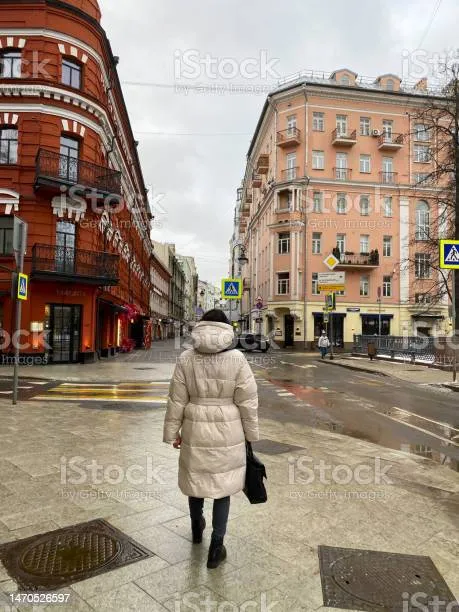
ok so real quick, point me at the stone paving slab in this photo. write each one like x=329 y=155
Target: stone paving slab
x=272 y=548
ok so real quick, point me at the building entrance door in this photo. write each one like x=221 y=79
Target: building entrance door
x=64 y=337
x=289 y=330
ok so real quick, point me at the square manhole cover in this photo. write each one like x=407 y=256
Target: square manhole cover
x=270 y=447
x=59 y=558
x=381 y=582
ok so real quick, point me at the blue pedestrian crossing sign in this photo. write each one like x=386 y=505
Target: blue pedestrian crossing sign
x=231 y=288
x=449 y=254
x=23 y=286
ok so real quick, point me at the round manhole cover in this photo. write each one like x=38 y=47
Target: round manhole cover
x=363 y=580
x=69 y=554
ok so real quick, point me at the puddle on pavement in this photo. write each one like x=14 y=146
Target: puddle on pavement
x=319 y=399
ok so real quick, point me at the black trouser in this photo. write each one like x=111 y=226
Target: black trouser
x=219 y=515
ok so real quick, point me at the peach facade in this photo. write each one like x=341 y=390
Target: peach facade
x=339 y=163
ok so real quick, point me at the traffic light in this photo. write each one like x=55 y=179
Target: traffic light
x=330 y=301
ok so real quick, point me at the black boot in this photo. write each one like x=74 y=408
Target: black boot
x=197 y=527
x=217 y=552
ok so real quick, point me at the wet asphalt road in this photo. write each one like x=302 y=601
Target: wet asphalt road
x=387 y=411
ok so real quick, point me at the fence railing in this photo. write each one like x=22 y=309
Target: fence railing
x=398 y=347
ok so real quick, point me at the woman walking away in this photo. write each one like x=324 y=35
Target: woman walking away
x=212 y=410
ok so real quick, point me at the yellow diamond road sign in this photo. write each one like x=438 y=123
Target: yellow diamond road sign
x=331 y=261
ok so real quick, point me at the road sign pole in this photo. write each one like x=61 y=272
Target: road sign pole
x=17 y=330
x=332 y=316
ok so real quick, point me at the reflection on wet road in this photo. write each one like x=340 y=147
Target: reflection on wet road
x=386 y=411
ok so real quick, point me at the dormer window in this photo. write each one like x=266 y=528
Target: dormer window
x=344 y=80
x=390 y=84
x=10 y=64
x=71 y=73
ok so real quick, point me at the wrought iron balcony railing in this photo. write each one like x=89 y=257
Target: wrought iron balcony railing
x=388 y=178
x=290 y=174
x=359 y=260
x=390 y=140
x=290 y=136
x=344 y=137
x=64 y=263
x=342 y=174
x=54 y=168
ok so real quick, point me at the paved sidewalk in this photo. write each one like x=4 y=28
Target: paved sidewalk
x=272 y=548
x=414 y=373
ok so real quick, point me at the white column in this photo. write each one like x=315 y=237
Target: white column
x=404 y=250
x=292 y=265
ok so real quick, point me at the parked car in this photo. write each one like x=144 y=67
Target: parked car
x=247 y=341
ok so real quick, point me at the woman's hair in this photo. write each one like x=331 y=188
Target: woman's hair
x=216 y=315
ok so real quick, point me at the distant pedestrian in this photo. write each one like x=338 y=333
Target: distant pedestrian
x=324 y=344
x=212 y=410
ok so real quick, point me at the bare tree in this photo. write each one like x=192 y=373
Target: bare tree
x=436 y=131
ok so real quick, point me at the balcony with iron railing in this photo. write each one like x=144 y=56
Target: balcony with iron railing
x=342 y=174
x=390 y=141
x=346 y=138
x=64 y=264
x=256 y=180
x=366 y=261
x=263 y=163
x=388 y=178
x=290 y=174
x=53 y=169
x=289 y=137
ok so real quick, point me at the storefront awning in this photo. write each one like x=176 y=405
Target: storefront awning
x=115 y=307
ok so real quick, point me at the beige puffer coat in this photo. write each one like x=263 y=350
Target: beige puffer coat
x=213 y=405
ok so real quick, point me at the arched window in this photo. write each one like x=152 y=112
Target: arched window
x=390 y=84
x=364 y=205
x=8 y=145
x=10 y=64
x=422 y=221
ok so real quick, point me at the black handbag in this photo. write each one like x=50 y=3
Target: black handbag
x=254 y=488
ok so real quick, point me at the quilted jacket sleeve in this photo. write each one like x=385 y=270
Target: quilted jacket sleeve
x=177 y=400
x=246 y=399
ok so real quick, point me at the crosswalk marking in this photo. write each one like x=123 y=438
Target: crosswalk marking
x=154 y=392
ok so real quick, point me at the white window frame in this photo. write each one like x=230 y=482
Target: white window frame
x=421 y=132
x=317 y=202
x=283 y=244
x=387 y=286
x=387 y=246
x=422 y=154
x=340 y=199
x=364 y=210
x=422 y=227
x=365 y=126
x=318 y=160
x=365 y=163
x=342 y=125
x=318 y=121
x=387 y=206
x=364 y=243
x=315 y=284
x=283 y=283
x=364 y=286
x=316 y=242
x=422 y=262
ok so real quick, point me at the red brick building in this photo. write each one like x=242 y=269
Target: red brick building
x=69 y=167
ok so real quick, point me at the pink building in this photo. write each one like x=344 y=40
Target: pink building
x=337 y=163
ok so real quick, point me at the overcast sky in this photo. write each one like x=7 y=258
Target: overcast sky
x=193 y=144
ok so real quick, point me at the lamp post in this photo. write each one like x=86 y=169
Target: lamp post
x=242 y=259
